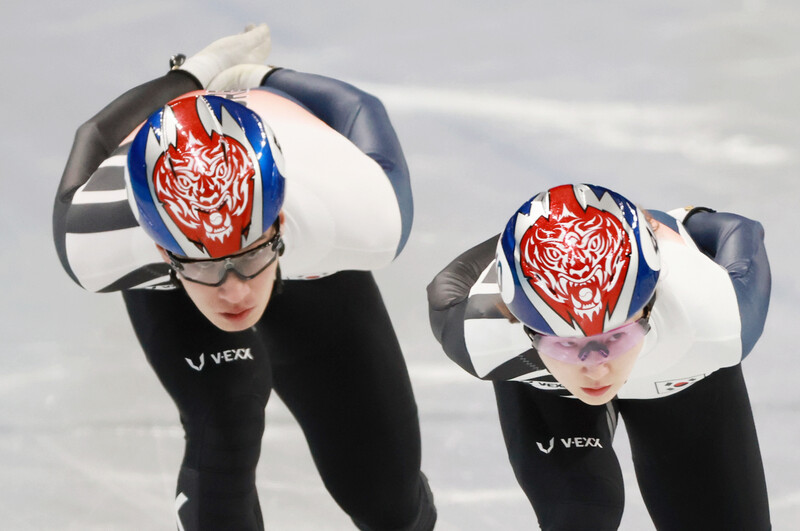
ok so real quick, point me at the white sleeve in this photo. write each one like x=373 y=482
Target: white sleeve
x=341 y=211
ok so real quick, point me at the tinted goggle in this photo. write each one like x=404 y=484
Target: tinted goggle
x=592 y=350
x=246 y=265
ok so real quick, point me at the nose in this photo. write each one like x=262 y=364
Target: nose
x=596 y=371
x=234 y=289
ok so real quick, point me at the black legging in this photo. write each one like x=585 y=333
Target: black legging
x=695 y=453
x=328 y=349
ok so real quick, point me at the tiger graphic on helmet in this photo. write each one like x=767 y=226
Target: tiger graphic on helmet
x=204 y=179
x=572 y=261
x=204 y=174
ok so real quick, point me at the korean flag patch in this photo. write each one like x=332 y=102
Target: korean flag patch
x=667 y=387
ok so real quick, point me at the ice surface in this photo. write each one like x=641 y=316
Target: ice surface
x=673 y=103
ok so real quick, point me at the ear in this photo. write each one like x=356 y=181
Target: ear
x=281 y=217
x=163 y=254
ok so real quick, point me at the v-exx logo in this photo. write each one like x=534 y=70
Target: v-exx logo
x=224 y=356
x=549 y=448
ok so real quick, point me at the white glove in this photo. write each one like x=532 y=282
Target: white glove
x=239 y=77
x=252 y=46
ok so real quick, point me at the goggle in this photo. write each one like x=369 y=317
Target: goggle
x=247 y=265
x=591 y=350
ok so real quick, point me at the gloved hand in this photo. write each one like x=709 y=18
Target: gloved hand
x=252 y=46
x=239 y=77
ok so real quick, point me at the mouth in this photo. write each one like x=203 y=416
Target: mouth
x=596 y=391
x=239 y=315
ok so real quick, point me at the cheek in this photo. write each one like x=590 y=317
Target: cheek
x=623 y=366
x=263 y=283
x=200 y=295
x=565 y=373
x=628 y=362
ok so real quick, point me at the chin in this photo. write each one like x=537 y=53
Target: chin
x=227 y=327
x=594 y=401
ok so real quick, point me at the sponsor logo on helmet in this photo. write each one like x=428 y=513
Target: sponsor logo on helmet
x=204 y=179
x=576 y=259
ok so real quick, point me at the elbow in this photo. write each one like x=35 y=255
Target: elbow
x=445 y=291
x=366 y=102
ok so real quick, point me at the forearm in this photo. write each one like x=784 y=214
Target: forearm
x=102 y=134
x=737 y=244
x=94 y=141
x=467 y=316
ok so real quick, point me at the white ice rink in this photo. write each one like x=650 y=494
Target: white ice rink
x=673 y=103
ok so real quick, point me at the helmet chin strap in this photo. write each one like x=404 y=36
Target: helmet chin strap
x=173 y=277
x=277 y=287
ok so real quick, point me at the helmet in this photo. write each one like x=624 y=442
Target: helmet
x=577 y=260
x=204 y=176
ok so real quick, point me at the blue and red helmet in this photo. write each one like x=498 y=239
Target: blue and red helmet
x=204 y=175
x=577 y=260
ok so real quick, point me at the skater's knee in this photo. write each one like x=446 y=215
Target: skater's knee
x=576 y=516
x=226 y=437
x=419 y=516
x=217 y=485
x=594 y=504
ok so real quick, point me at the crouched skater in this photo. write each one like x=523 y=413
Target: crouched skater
x=240 y=208
x=584 y=309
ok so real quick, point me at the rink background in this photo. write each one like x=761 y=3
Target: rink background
x=671 y=103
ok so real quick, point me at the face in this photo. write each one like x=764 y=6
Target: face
x=595 y=384
x=236 y=304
